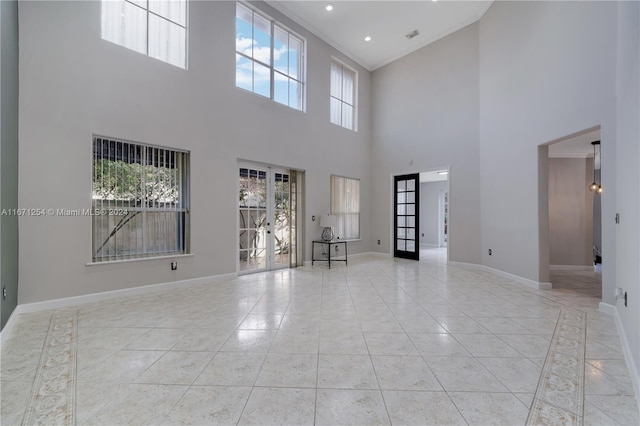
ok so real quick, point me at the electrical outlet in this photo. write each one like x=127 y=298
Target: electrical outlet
x=625 y=299
x=4 y=293
x=336 y=249
x=174 y=266
x=490 y=252
x=378 y=242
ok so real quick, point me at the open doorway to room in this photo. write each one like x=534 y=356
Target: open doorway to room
x=575 y=225
x=269 y=203
x=420 y=215
x=434 y=214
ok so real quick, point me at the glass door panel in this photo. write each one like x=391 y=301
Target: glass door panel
x=252 y=224
x=406 y=202
x=281 y=219
x=265 y=218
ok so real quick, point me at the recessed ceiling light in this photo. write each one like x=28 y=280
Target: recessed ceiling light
x=329 y=7
x=443 y=172
x=367 y=38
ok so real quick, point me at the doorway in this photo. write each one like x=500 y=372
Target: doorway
x=443 y=219
x=267 y=230
x=572 y=244
x=434 y=213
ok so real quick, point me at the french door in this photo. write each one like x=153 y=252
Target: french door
x=266 y=221
x=406 y=217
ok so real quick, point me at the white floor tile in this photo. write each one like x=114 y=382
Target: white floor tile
x=381 y=340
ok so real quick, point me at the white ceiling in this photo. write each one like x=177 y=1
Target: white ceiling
x=575 y=147
x=385 y=21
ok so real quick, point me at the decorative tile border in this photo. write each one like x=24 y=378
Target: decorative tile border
x=53 y=393
x=559 y=399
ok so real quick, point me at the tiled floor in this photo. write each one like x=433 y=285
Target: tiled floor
x=380 y=341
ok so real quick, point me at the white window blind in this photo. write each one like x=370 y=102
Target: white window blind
x=343 y=95
x=157 y=28
x=269 y=58
x=140 y=205
x=345 y=205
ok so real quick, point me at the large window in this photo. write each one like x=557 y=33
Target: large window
x=343 y=95
x=140 y=200
x=345 y=205
x=269 y=58
x=157 y=28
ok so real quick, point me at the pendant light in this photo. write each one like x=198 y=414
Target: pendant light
x=596 y=185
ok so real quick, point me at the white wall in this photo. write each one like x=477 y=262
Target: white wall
x=430 y=211
x=628 y=176
x=547 y=70
x=570 y=211
x=74 y=84
x=424 y=117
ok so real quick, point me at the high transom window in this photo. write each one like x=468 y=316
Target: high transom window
x=157 y=28
x=343 y=95
x=269 y=58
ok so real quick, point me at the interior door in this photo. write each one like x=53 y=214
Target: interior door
x=264 y=221
x=406 y=216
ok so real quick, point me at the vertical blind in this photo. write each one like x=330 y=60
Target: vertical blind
x=345 y=205
x=343 y=97
x=140 y=204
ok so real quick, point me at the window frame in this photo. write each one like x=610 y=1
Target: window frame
x=273 y=24
x=342 y=216
x=98 y=211
x=148 y=12
x=336 y=61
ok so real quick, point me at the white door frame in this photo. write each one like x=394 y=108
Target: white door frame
x=270 y=171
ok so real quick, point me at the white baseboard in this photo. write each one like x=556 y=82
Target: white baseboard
x=634 y=370
x=98 y=297
x=8 y=327
x=571 y=267
x=608 y=309
x=374 y=254
x=517 y=278
x=522 y=280
x=428 y=245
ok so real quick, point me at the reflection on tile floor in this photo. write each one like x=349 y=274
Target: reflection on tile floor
x=380 y=341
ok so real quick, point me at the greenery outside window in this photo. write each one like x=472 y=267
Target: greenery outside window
x=140 y=200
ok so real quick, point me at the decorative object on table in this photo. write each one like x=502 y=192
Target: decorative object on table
x=328 y=222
